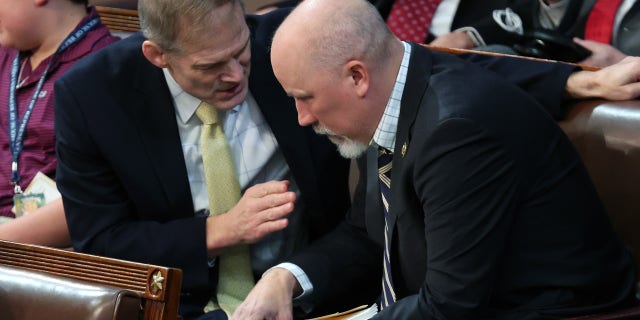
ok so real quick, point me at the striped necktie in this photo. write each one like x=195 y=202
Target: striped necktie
x=384 y=179
x=235 y=278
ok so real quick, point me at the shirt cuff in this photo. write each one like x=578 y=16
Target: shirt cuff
x=474 y=35
x=305 y=283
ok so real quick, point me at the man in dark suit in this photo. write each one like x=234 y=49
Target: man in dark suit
x=485 y=210
x=130 y=171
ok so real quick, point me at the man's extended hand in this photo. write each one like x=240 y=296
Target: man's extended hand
x=261 y=210
x=602 y=54
x=270 y=298
x=455 y=39
x=620 y=81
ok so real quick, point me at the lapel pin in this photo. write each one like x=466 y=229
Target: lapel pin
x=404 y=149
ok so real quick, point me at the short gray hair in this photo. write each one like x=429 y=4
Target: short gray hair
x=162 y=21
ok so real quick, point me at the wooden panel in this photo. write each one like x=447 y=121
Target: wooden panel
x=117 y=19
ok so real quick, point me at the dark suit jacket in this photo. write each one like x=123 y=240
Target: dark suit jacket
x=121 y=166
x=493 y=214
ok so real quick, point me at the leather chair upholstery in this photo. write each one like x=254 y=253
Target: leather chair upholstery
x=607 y=136
x=27 y=295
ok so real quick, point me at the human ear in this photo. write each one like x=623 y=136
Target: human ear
x=154 y=54
x=359 y=76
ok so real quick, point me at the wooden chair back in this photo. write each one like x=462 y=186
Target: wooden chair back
x=158 y=287
x=119 y=20
x=607 y=136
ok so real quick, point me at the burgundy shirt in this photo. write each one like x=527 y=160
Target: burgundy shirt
x=38 y=153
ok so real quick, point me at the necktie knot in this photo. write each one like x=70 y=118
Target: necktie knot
x=384 y=163
x=207 y=113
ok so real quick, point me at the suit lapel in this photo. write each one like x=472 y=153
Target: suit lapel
x=415 y=87
x=373 y=206
x=631 y=15
x=154 y=115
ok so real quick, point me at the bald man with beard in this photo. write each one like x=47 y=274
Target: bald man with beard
x=491 y=213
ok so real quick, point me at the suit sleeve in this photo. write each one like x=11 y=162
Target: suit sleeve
x=467 y=186
x=545 y=81
x=344 y=266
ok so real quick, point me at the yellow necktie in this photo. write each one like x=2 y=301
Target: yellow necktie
x=235 y=278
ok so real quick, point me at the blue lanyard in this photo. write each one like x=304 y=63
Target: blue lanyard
x=16 y=132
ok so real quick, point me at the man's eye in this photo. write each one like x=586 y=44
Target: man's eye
x=208 y=67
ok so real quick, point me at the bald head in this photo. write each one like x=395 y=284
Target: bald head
x=331 y=32
x=339 y=61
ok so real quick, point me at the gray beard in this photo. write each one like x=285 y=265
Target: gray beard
x=348 y=148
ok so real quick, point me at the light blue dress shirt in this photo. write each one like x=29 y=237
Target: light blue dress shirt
x=257 y=159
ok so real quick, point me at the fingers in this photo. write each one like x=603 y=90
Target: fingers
x=269 y=227
x=269 y=221
x=272 y=194
x=620 y=81
x=264 y=189
x=272 y=206
x=632 y=91
x=263 y=209
x=582 y=42
x=278 y=211
x=588 y=44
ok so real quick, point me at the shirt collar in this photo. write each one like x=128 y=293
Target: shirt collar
x=186 y=104
x=385 y=135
